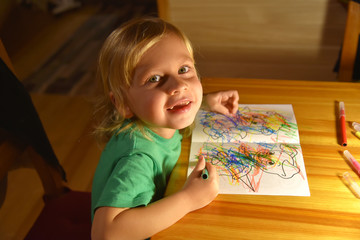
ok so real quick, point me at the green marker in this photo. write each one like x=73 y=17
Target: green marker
x=205 y=174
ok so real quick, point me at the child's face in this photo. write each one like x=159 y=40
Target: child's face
x=166 y=92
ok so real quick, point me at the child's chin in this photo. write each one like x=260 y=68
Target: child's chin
x=187 y=124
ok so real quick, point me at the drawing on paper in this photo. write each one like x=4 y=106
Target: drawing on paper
x=255 y=151
x=250 y=123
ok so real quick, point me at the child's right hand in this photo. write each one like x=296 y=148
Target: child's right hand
x=133 y=223
x=202 y=191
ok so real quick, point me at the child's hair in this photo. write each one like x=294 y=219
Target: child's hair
x=118 y=58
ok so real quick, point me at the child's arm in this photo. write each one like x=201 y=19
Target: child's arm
x=143 y=222
x=225 y=102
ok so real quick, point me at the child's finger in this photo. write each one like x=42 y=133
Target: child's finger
x=235 y=108
x=222 y=109
x=200 y=164
x=234 y=102
x=211 y=169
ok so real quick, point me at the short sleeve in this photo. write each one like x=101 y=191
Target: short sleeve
x=131 y=183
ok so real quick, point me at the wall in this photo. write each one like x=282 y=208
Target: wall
x=297 y=39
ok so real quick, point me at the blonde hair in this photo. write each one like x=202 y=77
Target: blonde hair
x=119 y=55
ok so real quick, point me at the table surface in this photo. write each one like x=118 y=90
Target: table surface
x=331 y=212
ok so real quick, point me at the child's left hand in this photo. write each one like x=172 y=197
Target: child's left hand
x=225 y=102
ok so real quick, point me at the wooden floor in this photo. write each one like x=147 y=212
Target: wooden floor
x=32 y=36
x=67 y=119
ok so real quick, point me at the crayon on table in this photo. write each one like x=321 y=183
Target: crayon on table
x=342 y=124
x=357 y=134
x=353 y=161
x=356 y=126
x=354 y=187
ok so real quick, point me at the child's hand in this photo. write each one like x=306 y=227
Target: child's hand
x=225 y=102
x=202 y=191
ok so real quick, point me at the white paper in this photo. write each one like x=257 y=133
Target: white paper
x=256 y=151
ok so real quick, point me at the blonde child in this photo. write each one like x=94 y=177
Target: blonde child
x=151 y=91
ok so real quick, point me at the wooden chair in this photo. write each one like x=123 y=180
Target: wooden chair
x=351 y=42
x=66 y=214
x=163 y=9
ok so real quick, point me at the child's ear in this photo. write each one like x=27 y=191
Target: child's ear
x=127 y=110
x=112 y=98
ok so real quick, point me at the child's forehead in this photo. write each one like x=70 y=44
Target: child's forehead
x=168 y=45
x=167 y=38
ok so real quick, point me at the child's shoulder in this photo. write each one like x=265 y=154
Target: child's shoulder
x=123 y=135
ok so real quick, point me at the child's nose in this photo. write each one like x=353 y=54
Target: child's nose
x=176 y=85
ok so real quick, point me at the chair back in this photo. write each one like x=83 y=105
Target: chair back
x=351 y=44
x=22 y=131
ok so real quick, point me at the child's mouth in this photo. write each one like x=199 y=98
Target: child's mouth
x=181 y=106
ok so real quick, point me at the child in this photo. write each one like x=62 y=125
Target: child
x=151 y=91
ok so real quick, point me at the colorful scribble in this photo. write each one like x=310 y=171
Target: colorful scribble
x=258 y=146
x=246 y=122
x=245 y=164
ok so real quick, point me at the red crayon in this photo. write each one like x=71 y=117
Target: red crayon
x=342 y=124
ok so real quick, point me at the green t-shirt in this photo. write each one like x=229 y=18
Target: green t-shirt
x=133 y=170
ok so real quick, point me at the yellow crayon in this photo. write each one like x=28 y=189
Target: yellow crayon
x=357 y=134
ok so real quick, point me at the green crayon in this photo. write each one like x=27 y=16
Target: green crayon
x=205 y=174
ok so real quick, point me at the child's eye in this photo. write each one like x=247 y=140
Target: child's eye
x=183 y=70
x=154 y=79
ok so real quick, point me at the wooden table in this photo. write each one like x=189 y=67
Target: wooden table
x=331 y=212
